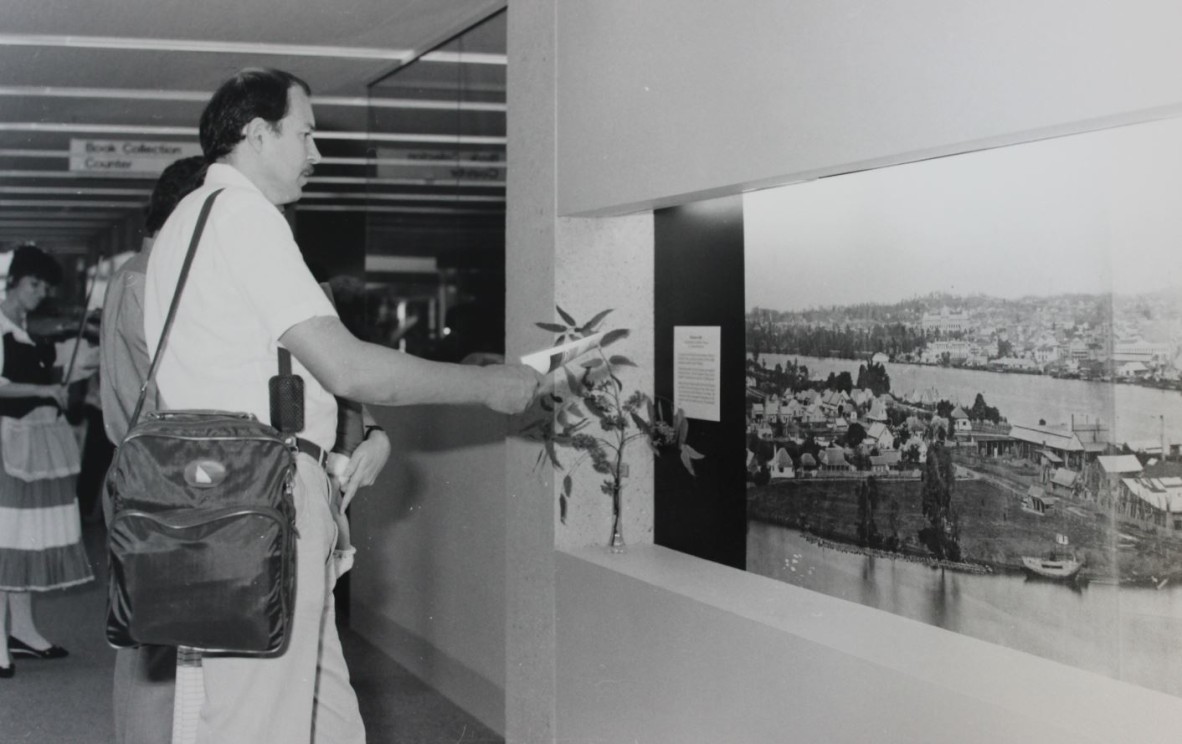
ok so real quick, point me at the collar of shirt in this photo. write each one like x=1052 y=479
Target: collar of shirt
x=221 y=174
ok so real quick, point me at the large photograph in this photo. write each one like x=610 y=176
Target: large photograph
x=964 y=394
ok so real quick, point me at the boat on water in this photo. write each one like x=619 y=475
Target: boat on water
x=1059 y=568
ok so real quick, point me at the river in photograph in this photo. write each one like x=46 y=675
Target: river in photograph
x=1128 y=633
x=1133 y=413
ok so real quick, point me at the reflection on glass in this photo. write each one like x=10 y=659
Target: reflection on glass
x=435 y=239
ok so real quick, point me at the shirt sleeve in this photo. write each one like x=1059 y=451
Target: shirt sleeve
x=262 y=259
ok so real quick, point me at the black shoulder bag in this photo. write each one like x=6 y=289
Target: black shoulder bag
x=201 y=544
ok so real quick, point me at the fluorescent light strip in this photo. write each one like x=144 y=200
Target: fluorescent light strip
x=197 y=45
x=93 y=175
x=470 y=58
x=58 y=127
x=402 y=197
x=446 y=139
x=441 y=182
x=39 y=223
x=11 y=153
x=193 y=96
x=56 y=216
x=15 y=203
x=383 y=209
x=73 y=191
x=65 y=154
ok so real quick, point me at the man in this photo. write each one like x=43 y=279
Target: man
x=144 y=679
x=249 y=292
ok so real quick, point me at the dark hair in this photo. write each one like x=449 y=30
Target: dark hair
x=254 y=92
x=29 y=260
x=175 y=182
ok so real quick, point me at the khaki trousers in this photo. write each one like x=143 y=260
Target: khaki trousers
x=303 y=696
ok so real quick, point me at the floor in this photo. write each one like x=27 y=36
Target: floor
x=68 y=701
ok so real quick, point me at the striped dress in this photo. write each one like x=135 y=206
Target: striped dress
x=40 y=530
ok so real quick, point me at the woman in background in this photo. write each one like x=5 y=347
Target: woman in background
x=40 y=531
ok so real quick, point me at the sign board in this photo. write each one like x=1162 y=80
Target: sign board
x=137 y=158
x=697 y=352
x=442 y=165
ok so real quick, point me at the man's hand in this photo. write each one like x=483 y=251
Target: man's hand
x=365 y=464
x=510 y=387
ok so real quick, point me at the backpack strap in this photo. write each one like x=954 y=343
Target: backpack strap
x=176 y=299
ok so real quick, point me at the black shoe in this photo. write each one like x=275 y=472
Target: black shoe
x=17 y=647
x=8 y=671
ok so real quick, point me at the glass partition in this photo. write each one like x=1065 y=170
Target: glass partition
x=435 y=233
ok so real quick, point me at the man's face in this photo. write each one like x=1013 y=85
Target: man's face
x=289 y=151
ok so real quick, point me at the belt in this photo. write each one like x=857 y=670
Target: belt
x=310 y=448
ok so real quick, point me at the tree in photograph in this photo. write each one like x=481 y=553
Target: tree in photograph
x=855 y=435
x=867 y=509
x=939 y=479
x=875 y=378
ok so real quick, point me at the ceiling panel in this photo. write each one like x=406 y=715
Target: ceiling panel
x=70 y=69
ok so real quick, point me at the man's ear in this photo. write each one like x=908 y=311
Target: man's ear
x=254 y=131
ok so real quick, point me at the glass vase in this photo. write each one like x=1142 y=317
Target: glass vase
x=616 y=543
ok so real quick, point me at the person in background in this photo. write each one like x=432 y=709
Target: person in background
x=145 y=677
x=41 y=533
x=249 y=291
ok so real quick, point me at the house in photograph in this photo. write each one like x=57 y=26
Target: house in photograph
x=781 y=465
x=879 y=435
x=1051 y=445
x=833 y=460
x=1064 y=482
x=1132 y=371
x=886 y=462
x=1036 y=501
x=1101 y=479
x=1154 y=502
x=960 y=421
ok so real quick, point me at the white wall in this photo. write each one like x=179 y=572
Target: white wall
x=663 y=101
x=428 y=585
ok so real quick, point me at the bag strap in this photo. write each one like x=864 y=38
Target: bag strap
x=176 y=299
x=284 y=362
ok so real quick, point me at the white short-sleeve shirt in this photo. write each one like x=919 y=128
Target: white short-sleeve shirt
x=247 y=286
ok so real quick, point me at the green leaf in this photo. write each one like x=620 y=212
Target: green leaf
x=567 y=484
x=562 y=508
x=555 y=362
x=590 y=326
x=552 y=327
x=688 y=455
x=592 y=363
x=622 y=361
x=553 y=453
x=576 y=411
x=619 y=384
x=546 y=405
x=682 y=427
x=594 y=409
x=641 y=423
x=566 y=316
x=572 y=382
x=613 y=336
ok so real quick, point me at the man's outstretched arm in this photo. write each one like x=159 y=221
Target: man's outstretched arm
x=351 y=368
